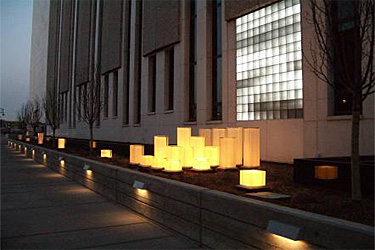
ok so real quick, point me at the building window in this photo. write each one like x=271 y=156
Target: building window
x=106 y=96
x=79 y=104
x=115 y=93
x=126 y=74
x=193 y=62
x=169 y=79
x=216 y=61
x=269 y=63
x=152 y=84
x=346 y=55
x=138 y=63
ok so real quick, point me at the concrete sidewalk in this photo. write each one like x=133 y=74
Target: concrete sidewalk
x=43 y=209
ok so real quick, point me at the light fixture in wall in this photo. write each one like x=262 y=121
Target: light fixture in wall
x=87 y=169
x=44 y=155
x=20 y=136
x=285 y=230
x=61 y=143
x=139 y=185
x=28 y=139
x=33 y=153
x=106 y=153
x=61 y=161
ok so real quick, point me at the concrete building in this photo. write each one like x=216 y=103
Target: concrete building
x=198 y=63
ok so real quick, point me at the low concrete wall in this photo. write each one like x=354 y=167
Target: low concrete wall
x=212 y=218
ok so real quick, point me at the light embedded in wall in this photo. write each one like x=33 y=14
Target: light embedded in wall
x=139 y=185
x=28 y=139
x=44 y=155
x=20 y=136
x=61 y=161
x=106 y=153
x=284 y=230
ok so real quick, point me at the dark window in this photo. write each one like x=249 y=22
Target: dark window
x=106 y=90
x=138 y=63
x=216 y=61
x=79 y=104
x=169 y=86
x=193 y=62
x=346 y=54
x=115 y=93
x=152 y=84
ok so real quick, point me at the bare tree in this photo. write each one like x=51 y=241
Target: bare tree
x=24 y=116
x=90 y=104
x=51 y=111
x=36 y=113
x=331 y=51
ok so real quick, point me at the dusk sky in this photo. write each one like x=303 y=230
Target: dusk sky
x=16 y=23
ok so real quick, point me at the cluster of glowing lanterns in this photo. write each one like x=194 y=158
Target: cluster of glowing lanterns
x=224 y=148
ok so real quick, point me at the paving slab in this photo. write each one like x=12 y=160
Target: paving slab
x=41 y=209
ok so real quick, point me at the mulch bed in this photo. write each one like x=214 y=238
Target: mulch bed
x=315 y=199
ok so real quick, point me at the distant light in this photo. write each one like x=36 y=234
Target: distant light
x=343 y=101
x=40 y=138
x=139 y=185
x=106 y=153
x=284 y=230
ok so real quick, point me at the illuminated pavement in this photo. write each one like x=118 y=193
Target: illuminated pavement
x=43 y=209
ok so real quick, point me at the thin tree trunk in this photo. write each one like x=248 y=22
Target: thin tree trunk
x=356 y=174
x=91 y=137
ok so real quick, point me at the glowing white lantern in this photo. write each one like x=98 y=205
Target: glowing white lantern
x=61 y=143
x=173 y=165
x=147 y=161
x=40 y=138
x=197 y=143
x=159 y=163
x=187 y=157
x=136 y=153
x=212 y=155
x=236 y=133
x=183 y=136
x=252 y=178
x=106 y=153
x=217 y=133
x=160 y=146
x=174 y=152
x=227 y=159
x=201 y=164
x=251 y=149
x=207 y=134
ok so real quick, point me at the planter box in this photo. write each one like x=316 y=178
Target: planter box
x=303 y=172
x=212 y=218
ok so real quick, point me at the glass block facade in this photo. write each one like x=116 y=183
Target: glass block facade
x=269 y=63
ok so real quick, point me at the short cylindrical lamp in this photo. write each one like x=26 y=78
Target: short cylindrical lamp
x=326 y=172
x=183 y=136
x=212 y=155
x=174 y=152
x=217 y=133
x=236 y=133
x=251 y=147
x=136 y=153
x=160 y=146
x=197 y=143
x=252 y=178
x=107 y=153
x=227 y=159
x=207 y=134
x=173 y=165
x=187 y=157
x=61 y=143
x=201 y=164
x=159 y=163
x=147 y=161
x=40 y=138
